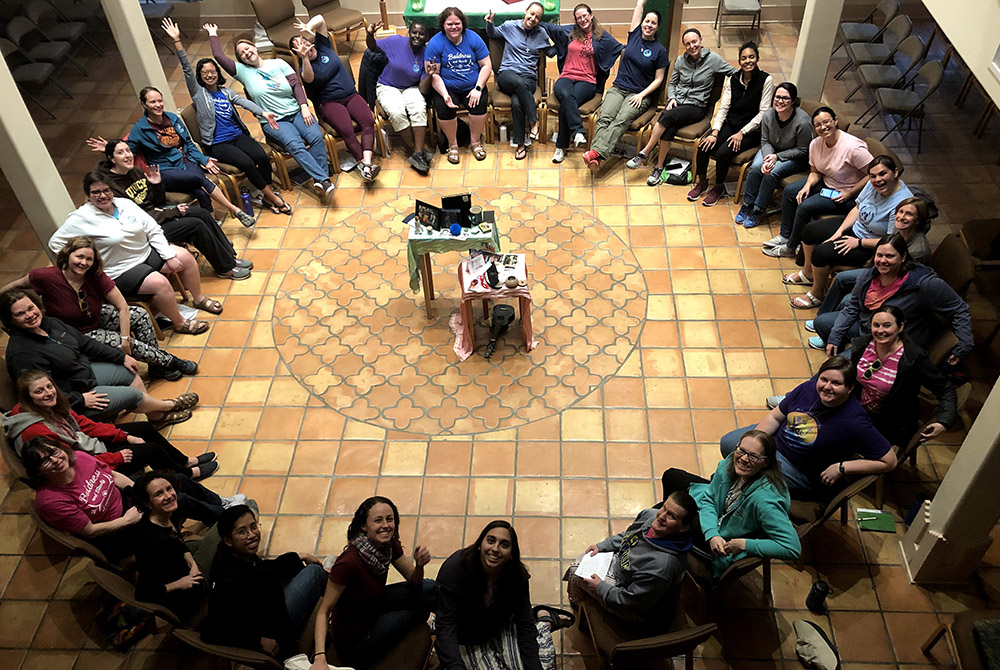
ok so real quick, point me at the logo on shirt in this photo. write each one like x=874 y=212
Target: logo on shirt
x=271 y=83
x=647 y=52
x=324 y=59
x=416 y=68
x=803 y=426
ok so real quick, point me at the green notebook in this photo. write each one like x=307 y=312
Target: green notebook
x=875 y=519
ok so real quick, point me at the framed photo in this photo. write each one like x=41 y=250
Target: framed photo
x=462 y=202
x=428 y=215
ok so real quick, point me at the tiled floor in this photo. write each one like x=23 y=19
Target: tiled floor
x=717 y=336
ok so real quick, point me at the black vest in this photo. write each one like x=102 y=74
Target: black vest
x=744 y=102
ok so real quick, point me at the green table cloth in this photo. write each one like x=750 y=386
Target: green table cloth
x=476 y=12
x=418 y=243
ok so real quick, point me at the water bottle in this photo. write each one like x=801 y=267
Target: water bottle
x=816 y=600
x=247 y=203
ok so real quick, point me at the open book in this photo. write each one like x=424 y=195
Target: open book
x=598 y=564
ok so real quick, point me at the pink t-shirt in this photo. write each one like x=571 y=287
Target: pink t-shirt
x=842 y=165
x=91 y=497
x=580 y=64
x=877 y=387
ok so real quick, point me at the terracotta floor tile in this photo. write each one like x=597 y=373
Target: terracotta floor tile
x=49 y=660
x=441 y=533
x=662 y=362
x=896 y=593
x=18 y=622
x=322 y=424
x=694 y=307
x=627 y=497
x=404 y=458
x=537 y=497
x=711 y=424
x=265 y=490
x=493 y=458
x=625 y=424
x=669 y=425
x=444 y=495
x=908 y=631
x=704 y=363
x=305 y=495
x=539 y=538
x=491 y=496
x=583 y=459
x=449 y=458
x=295 y=533
x=628 y=460
x=248 y=391
x=270 y=458
x=787 y=363
x=578 y=534
x=36 y=577
x=538 y=459
x=405 y=489
x=584 y=498
x=211 y=390
x=359 y=458
x=621 y=392
x=861 y=636
x=582 y=424
x=729 y=307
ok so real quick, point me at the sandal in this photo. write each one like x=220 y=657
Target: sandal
x=283 y=208
x=555 y=617
x=185 y=401
x=453 y=155
x=797 y=279
x=807 y=301
x=533 y=135
x=192 y=327
x=478 y=151
x=521 y=153
x=206 y=304
x=169 y=419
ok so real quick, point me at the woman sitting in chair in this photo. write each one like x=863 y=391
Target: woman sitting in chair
x=517 y=75
x=640 y=74
x=331 y=87
x=77 y=292
x=181 y=224
x=136 y=252
x=743 y=510
x=274 y=86
x=461 y=63
x=585 y=54
x=99 y=381
x=223 y=134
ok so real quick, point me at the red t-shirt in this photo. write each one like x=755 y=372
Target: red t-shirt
x=354 y=613
x=62 y=302
x=580 y=64
x=91 y=497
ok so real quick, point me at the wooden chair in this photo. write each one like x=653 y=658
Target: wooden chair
x=333 y=138
x=340 y=21
x=692 y=134
x=588 y=111
x=72 y=542
x=500 y=107
x=147 y=305
x=806 y=515
x=642 y=125
x=115 y=585
x=960 y=637
x=253 y=659
x=229 y=175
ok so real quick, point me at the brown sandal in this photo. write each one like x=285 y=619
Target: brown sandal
x=192 y=327
x=209 y=305
x=478 y=151
x=185 y=401
x=453 y=157
x=169 y=419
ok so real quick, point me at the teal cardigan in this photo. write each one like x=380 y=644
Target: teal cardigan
x=760 y=516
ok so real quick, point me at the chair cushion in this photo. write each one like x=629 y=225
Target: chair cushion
x=586 y=109
x=644 y=118
x=32 y=73
x=858 y=32
x=280 y=33
x=868 y=53
x=341 y=18
x=501 y=100
x=792 y=178
x=745 y=156
x=695 y=130
x=49 y=52
x=274 y=12
x=878 y=76
x=894 y=100
x=740 y=6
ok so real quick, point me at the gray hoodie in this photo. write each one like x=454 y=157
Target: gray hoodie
x=205 y=108
x=692 y=80
x=16 y=423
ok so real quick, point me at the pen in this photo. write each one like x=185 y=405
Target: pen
x=867 y=518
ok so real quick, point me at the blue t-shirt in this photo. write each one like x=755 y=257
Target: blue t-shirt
x=459 y=64
x=815 y=436
x=226 y=127
x=331 y=80
x=405 y=68
x=877 y=215
x=639 y=63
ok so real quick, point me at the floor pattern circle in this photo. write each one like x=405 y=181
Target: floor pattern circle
x=348 y=327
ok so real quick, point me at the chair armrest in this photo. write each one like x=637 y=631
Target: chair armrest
x=668 y=644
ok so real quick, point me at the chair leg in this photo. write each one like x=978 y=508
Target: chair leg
x=851 y=94
x=60 y=86
x=843 y=513
x=766 y=601
x=865 y=113
x=935 y=637
x=35 y=100
x=879 y=492
x=740 y=181
x=78 y=66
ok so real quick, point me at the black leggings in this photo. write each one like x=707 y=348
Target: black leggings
x=199 y=228
x=824 y=253
x=157 y=452
x=674 y=119
x=723 y=153
x=246 y=154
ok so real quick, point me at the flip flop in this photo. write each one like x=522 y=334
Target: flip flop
x=533 y=135
x=521 y=153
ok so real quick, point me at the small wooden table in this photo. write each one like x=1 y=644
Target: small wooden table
x=463 y=324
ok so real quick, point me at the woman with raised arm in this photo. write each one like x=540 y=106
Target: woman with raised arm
x=331 y=87
x=641 y=72
x=223 y=133
x=274 y=86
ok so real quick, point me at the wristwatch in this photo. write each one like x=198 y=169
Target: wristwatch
x=479 y=88
x=841 y=467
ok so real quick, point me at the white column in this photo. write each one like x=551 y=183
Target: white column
x=952 y=532
x=136 y=48
x=816 y=37
x=26 y=164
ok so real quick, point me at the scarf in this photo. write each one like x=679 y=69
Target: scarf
x=375 y=558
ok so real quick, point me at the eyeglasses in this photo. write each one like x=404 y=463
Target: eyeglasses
x=81 y=301
x=243 y=531
x=782 y=98
x=103 y=191
x=873 y=368
x=753 y=458
x=823 y=124
x=48 y=460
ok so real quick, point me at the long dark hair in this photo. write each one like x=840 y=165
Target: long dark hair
x=7 y=301
x=596 y=29
x=140 y=492
x=772 y=470
x=34 y=454
x=201 y=64
x=513 y=570
x=357 y=526
x=24 y=382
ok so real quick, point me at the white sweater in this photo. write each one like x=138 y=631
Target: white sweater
x=124 y=242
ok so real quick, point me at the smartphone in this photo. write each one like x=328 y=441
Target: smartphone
x=829 y=193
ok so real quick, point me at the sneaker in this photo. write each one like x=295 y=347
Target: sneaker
x=698 y=189
x=744 y=212
x=579 y=139
x=185 y=367
x=775 y=241
x=419 y=163
x=247 y=220
x=774 y=400
x=816 y=342
x=559 y=155
x=811 y=326
x=655 y=177
x=593 y=160
x=236 y=274
x=636 y=161
x=244 y=263
x=754 y=219
x=327 y=186
x=780 y=251
x=234 y=500
x=714 y=195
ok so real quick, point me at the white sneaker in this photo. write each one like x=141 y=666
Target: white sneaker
x=775 y=241
x=234 y=500
x=774 y=400
x=579 y=139
x=559 y=156
x=780 y=251
x=636 y=161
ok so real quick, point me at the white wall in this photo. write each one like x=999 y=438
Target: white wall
x=975 y=32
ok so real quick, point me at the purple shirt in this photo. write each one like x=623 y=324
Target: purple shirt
x=405 y=68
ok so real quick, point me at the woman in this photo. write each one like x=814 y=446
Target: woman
x=331 y=87
x=689 y=89
x=585 y=54
x=746 y=96
x=517 y=75
x=99 y=381
x=837 y=172
x=275 y=87
x=923 y=297
x=640 y=74
x=44 y=411
x=819 y=428
x=484 y=605
x=364 y=617
x=77 y=292
x=743 y=510
x=402 y=87
x=850 y=241
x=461 y=64
x=223 y=133
x=891 y=371
x=164 y=141
x=785 y=134
x=181 y=224
x=136 y=252
x=165 y=567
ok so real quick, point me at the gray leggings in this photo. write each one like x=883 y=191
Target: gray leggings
x=113 y=380
x=144 y=345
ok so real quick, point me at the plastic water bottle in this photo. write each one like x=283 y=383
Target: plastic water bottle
x=247 y=202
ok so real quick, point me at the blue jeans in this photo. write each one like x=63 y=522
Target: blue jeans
x=795 y=216
x=295 y=136
x=189 y=179
x=303 y=592
x=571 y=94
x=797 y=481
x=401 y=607
x=759 y=187
x=113 y=380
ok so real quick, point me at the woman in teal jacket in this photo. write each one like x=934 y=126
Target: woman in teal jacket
x=743 y=510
